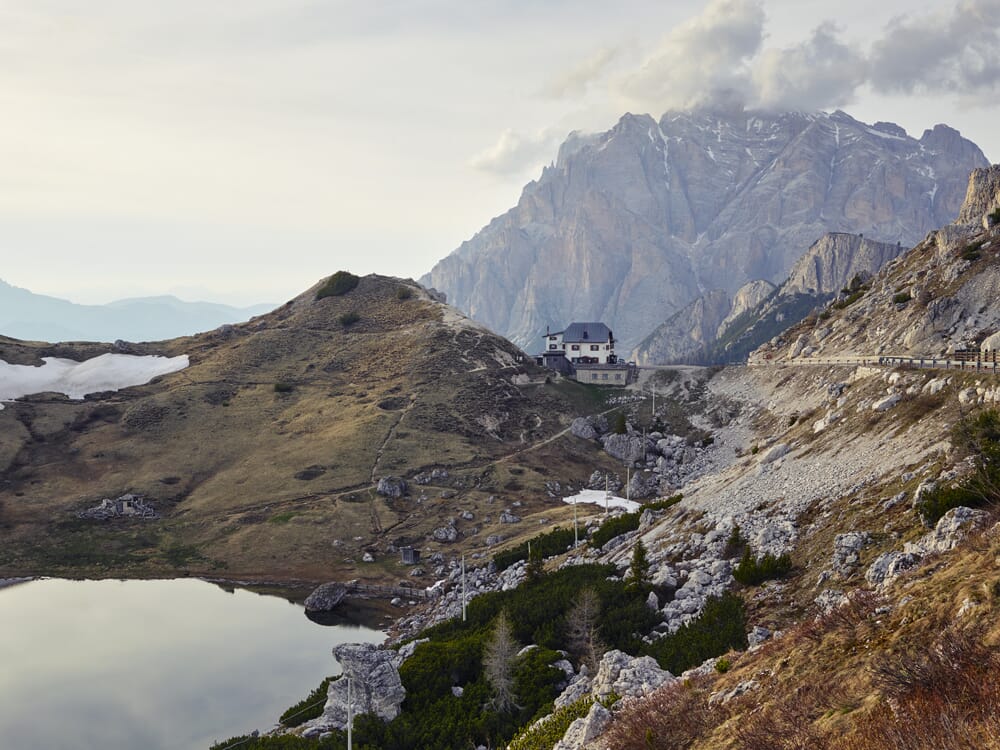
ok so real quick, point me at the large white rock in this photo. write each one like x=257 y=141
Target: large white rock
x=626 y=675
x=585 y=730
x=375 y=686
x=949 y=531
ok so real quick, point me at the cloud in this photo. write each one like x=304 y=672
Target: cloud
x=515 y=153
x=820 y=72
x=720 y=58
x=700 y=62
x=959 y=54
x=575 y=82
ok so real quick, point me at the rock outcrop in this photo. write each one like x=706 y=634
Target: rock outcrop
x=325 y=597
x=375 y=687
x=647 y=216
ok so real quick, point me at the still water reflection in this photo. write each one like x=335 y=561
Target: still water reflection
x=180 y=664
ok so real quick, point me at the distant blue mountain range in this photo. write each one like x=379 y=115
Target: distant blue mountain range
x=37 y=317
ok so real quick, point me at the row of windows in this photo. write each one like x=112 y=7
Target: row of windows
x=604 y=376
x=576 y=347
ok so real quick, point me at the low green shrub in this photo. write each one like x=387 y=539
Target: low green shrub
x=404 y=293
x=901 y=298
x=349 y=319
x=935 y=503
x=554 y=542
x=337 y=285
x=546 y=735
x=308 y=708
x=753 y=571
x=721 y=626
x=613 y=527
x=283 y=387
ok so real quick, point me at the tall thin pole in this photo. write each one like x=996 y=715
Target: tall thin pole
x=350 y=713
x=607 y=494
x=628 y=482
x=576 y=533
x=463 y=588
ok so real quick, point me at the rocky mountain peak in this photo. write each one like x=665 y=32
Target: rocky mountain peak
x=631 y=225
x=982 y=198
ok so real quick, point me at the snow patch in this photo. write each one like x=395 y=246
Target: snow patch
x=108 y=372
x=599 y=497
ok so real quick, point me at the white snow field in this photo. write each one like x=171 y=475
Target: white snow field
x=108 y=372
x=599 y=497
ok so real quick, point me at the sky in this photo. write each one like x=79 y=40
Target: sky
x=239 y=151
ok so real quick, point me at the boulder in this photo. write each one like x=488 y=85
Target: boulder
x=446 y=534
x=394 y=487
x=889 y=566
x=375 y=686
x=508 y=517
x=847 y=552
x=949 y=531
x=773 y=453
x=326 y=597
x=627 y=448
x=625 y=675
x=585 y=730
x=583 y=428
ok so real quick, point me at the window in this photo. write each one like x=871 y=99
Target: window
x=607 y=347
x=618 y=376
x=595 y=347
x=575 y=347
x=604 y=376
x=553 y=346
x=553 y=338
x=593 y=376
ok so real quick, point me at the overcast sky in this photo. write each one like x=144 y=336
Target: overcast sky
x=239 y=150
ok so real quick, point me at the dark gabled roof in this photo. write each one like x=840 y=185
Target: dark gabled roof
x=587 y=332
x=551 y=333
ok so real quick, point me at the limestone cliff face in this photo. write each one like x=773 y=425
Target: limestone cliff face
x=747 y=298
x=940 y=296
x=631 y=225
x=686 y=333
x=834 y=259
x=760 y=310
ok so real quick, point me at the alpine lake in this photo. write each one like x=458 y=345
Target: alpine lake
x=159 y=664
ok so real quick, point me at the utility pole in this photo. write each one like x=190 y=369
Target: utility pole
x=607 y=494
x=463 y=588
x=628 y=482
x=576 y=533
x=350 y=714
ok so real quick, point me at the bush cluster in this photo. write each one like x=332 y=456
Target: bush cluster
x=627 y=522
x=349 y=319
x=753 y=571
x=554 y=542
x=978 y=437
x=901 y=298
x=337 y=285
x=721 y=626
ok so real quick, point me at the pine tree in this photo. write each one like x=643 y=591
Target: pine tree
x=535 y=568
x=638 y=570
x=498 y=663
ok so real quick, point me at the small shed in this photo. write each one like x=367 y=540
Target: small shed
x=409 y=556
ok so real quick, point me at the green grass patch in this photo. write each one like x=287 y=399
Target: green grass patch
x=283 y=517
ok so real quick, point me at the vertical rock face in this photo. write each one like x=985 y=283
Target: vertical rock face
x=375 y=686
x=631 y=225
x=760 y=310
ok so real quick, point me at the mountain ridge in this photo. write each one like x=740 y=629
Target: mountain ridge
x=630 y=225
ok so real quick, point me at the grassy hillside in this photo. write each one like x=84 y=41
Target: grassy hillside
x=262 y=456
